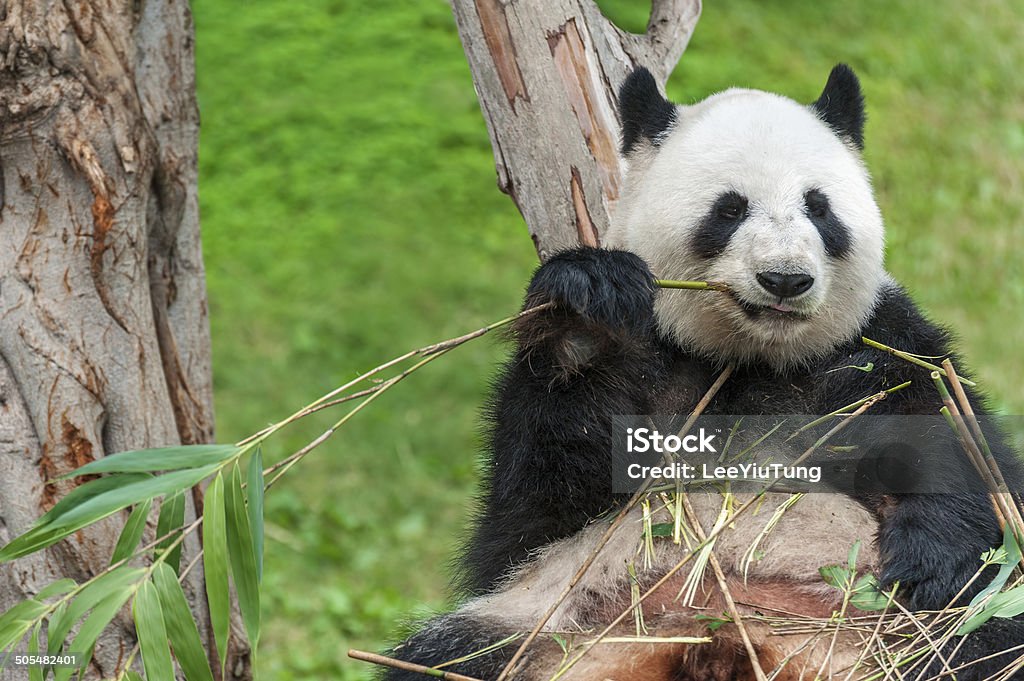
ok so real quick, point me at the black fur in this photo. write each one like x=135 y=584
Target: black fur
x=449 y=637
x=841 y=104
x=834 y=234
x=717 y=227
x=543 y=481
x=645 y=114
x=547 y=474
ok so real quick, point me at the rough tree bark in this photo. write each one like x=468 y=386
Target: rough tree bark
x=104 y=341
x=546 y=73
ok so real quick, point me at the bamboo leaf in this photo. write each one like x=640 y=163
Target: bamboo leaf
x=181 y=628
x=1011 y=603
x=53 y=644
x=132 y=532
x=1005 y=605
x=867 y=594
x=121 y=579
x=241 y=555
x=663 y=529
x=149 y=623
x=835 y=575
x=99 y=506
x=254 y=490
x=98 y=620
x=172 y=517
x=35 y=671
x=215 y=565
x=16 y=622
x=1011 y=556
x=160 y=459
x=43 y=534
x=113 y=501
x=88 y=490
x=58 y=588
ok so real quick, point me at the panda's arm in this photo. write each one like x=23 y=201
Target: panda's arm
x=932 y=542
x=576 y=365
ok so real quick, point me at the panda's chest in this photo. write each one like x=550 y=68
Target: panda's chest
x=747 y=392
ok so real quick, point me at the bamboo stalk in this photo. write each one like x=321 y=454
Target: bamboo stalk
x=1001 y=494
x=694 y=285
x=907 y=357
x=384 y=661
x=723 y=586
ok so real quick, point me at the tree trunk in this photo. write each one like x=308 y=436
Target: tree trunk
x=546 y=73
x=104 y=340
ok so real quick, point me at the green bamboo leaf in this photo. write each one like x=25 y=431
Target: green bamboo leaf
x=160 y=459
x=16 y=622
x=1011 y=603
x=254 y=492
x=181 y=628
x=835 y=575
x=88 y=490
x=1012 y=556
x=867 y=594
x=149 y=623
x=113 y=501
x=131 y=675
x=93 y=625
x=215 y=565
x=97 y=507
x=121 y=579
x=1007 y=604
x=43 y=533
x=35 y=671
x=132 y=532
x=53 y=645
x=241 y=555
x=663 y=529
x=58 y=588
x=172 y=517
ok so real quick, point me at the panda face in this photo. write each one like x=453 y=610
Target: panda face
x=768 y=196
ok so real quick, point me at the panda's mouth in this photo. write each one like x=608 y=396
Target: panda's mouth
x=778 y=310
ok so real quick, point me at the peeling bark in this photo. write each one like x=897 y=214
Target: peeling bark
x=104 y=339
x=546 y=73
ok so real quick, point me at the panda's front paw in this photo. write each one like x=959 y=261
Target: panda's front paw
x=614 y=288
x=930 y=574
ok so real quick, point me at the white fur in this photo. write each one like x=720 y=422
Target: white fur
x=771 y=150
x=830 y=523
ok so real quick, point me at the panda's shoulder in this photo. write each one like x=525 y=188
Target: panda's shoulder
x=898 y=321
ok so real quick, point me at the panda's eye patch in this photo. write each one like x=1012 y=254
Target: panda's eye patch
x=817 y=204
x=834 y=234
x=731 y=206
x=716 y=228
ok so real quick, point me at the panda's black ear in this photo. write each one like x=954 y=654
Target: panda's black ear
x=645 y=114
x=841 y=104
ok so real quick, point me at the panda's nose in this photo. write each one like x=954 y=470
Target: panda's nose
x=784 y=285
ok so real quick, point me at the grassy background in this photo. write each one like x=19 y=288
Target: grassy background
x=350 y=213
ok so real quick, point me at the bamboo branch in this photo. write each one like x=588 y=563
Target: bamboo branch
x=907 y=357
x=694 y=285
x=383 y=661
x=723 y=586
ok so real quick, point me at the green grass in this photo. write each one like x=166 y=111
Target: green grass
x=350 y=213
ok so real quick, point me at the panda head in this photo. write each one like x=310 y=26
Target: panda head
x=765 y=194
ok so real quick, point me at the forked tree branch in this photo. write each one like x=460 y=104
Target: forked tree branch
x=546 y=73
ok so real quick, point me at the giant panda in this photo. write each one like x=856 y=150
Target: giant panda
x=771 y=197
